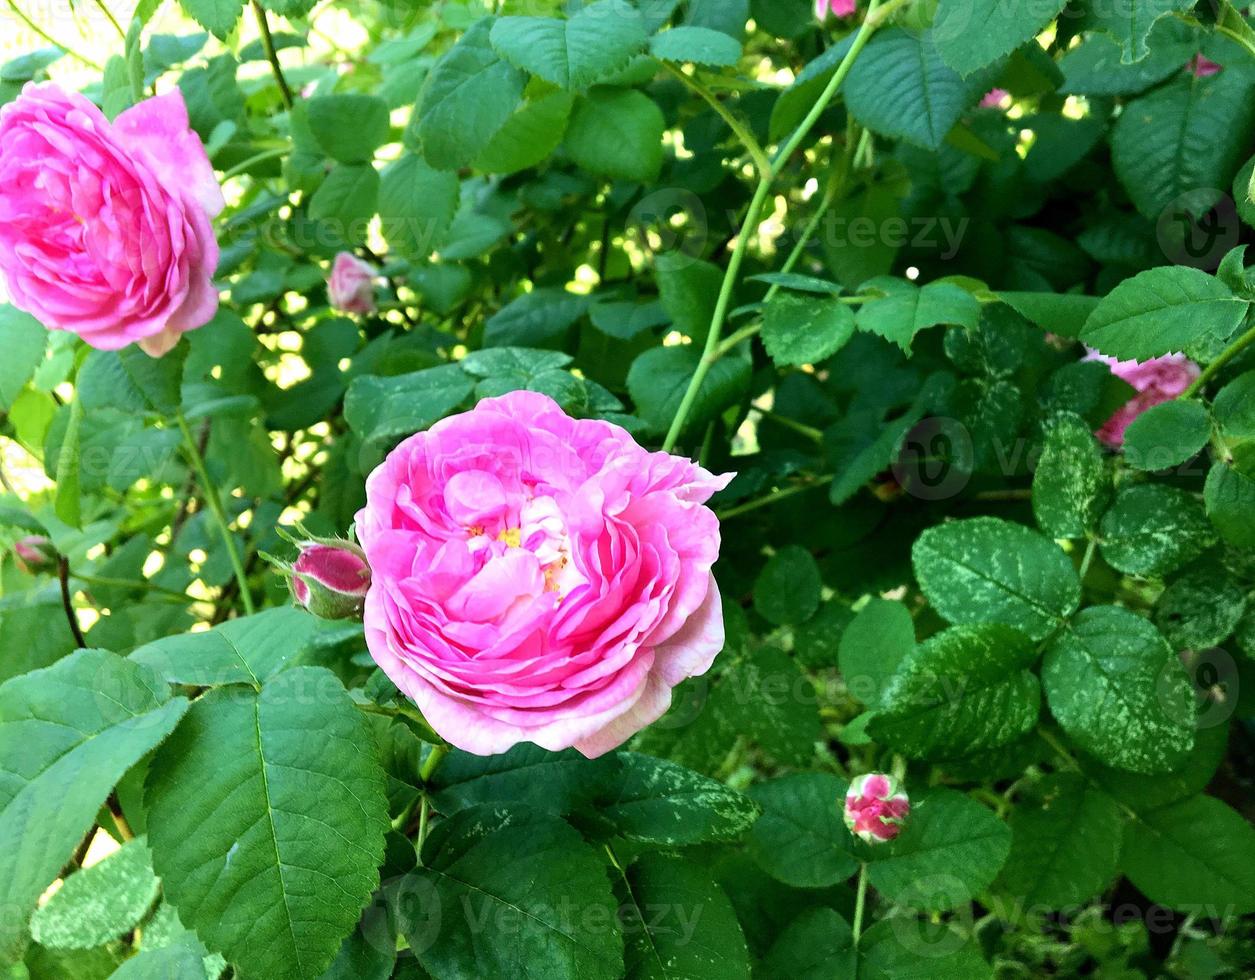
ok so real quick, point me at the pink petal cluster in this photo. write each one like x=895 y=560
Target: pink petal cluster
x=995 y=98
x=105 y=228
x=1156 y=381
x=538 y=578
x=35 y=554
x=838 y=8
x=331 y=579
x=351 y=287
x=1202 y=67
x=875 y=808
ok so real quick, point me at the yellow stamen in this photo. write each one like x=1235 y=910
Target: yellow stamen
x=510 y=536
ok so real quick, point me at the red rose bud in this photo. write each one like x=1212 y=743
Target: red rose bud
x=35 y=554
x=330 y=579
x=876 y=808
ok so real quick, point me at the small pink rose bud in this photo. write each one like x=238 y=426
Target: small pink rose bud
x=351 y=287
x=1202 y=67
x=35 y=554
x=838 y=8
x=876 y=808
x=330 y=579
x=995 y=98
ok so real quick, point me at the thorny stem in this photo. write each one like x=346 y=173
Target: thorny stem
x=1214 y=368
x=268 y=46
x=771 y=498
x=860 y=903
x=761 y=161
x=63 y=573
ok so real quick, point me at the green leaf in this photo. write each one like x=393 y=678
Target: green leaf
x=1163 y=310
x=1119 y=691
x=988 y=570
x=1152 y=530
x=552 y=782
x=805 y=330
x=1201 y=607
x=1191 y=133
x=416 y=206
x=348 y=126
x=1059 y=313
x=817 y=945
x=659 y=803
x=1167 y=435
x=659 y=377
x=528 y=136
x=1131 y=23
x=881 y=636
x=1234 y=412
x=949 y=850
x=100 y=903
x=68 y=503
x=699 y=45
x=1072 y=486
x=468 y=98
x=247 y=650
x=541 y=318
x=24 y=340
x=1230 y=499
x=496 y=891
x=923 y=951
x=801 y=839
x=617 y=133
x=381 y=409
x=907 y=310
x=679 y=924
x=183 y=960
x=688 y=289
x=1196 y=854
x=1140 y=792
x=576 y=52
x=787 y=590
x=266 y=821
x=962 y=690
x=1065 y=845
x=348 y=198
x=900 y=87
x=973 y=33
x=68 y=733
x=1093 y=67
x=218 y=16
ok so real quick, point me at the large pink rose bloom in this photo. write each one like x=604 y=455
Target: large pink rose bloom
x=1156 y=381
x=538 y=578
x=105 y=227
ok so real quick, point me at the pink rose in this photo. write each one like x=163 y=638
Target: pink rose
x=838 y=8
x=875 y=808
x=351 y=287
x=1156 y=381
x=105 y=227
x=995 y=98
x=538 y=578
x=330 y=578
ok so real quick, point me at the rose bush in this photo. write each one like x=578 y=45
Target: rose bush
x=523 y=489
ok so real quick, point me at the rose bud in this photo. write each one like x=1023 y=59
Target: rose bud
x=876 y=808
x=838 y=8
x=539 y=578
x=351 y=287
x=35 y=554
x=1156 y=381
x=330 y=578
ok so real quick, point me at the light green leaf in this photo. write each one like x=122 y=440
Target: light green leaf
x=700 y=45
x=950 y=848
x=381 y=409
x=1119 y=691
x=528 y=136
x=801 y=839
x=881 y=636
x=24 y=340
x=1196 y=854
x=68 y=733
x=416 y=206
x=973 y=33
x=1163 y=310
x=679 y=924
x=1065 y=845
x=988 y=570
x=617 y=133
x=266 y=821
x=218 y=16
x=1167 y=435
x=247 y=650
x=348 y=126
x=348 y=198
x=805 y=329
x=1072 y=486
x=494 y=885
x=1152 y=530
x=907 y=310
x=576 y=52
x=659 y=377
x=962 y=690
x=100 y=903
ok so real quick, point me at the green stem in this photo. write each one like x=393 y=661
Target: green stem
x=1214 y=368
x=771 y=498
x=268 y=46
x=127 y=583
x=745 y=333
x=21 y=15
x=810 y=432
x=425 y=772
x=1087 y=559
x=256 y=158
x=215 y=508
x=860 y=903
x=761 y=161
x=432 y=762
x=876 y=15
x=112 y=20
x=1049 y=738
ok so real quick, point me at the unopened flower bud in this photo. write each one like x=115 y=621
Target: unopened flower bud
x=351 y=287
x=330 y=579
x=876 y=808
x=35 y=554
x=838 y=8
